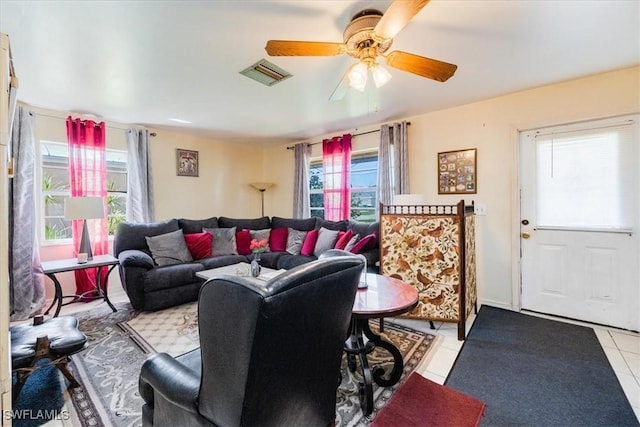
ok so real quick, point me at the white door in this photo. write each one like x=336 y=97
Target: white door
x=580 y=221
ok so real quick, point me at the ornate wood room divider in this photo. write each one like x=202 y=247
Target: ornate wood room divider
x=432 y=247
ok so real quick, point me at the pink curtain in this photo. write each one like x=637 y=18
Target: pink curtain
x=336 y=162
x=88 y=177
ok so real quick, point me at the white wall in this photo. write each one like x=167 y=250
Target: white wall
x=492 y=127
x=222 y=187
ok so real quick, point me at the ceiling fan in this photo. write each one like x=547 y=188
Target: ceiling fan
x=368 y=36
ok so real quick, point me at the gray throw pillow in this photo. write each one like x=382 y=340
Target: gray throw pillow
x=224 y=241
x=326 y=240
x=261 y=235
x=169 y=248
x=295 y=239
x=351 y=243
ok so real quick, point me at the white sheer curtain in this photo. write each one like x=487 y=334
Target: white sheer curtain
x=26 y=279
x=139 y=178
x=393 y=162
x=301 y=206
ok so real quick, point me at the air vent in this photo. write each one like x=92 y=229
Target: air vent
x=266 y=73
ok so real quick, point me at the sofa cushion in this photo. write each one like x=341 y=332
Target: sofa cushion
x=332 y=225
x=243 y=240
x=171 y=276
x=365 y=244
x=326 y=240
x=131 y=235
x=364 y=228
x=303 y=224
x=288 y=261
x=309 y=243
x=352 y=242
x=278 y=239
x=250 y=224
x=270 y=259
x=221 y=261
x=295 y=239
x=199 y=244
x=261 y=235
x=224 y=241
x=169 y=248
x=343 y=239
x=190 y=226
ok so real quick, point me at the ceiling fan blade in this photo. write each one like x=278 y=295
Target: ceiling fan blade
x=397 y=17
x=422 y=66
x=298 y=48
x=343 y=87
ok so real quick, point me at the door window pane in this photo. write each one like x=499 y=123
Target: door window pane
x=585 y=178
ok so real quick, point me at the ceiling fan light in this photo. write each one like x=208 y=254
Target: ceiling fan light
x=358 y=76
x=380 y=75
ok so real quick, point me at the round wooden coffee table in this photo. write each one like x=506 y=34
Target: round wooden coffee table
x=383 y=297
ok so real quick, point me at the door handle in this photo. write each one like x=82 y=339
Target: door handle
x=526 y=235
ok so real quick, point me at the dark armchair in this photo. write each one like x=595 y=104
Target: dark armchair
x=270 y=352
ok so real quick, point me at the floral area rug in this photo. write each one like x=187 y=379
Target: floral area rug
x=119 y=343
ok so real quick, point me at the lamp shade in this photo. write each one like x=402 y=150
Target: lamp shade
x=358 y=76
x=83 y=207
x=380 y=75
x=261 y=186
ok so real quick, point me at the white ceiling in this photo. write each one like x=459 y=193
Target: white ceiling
x=145 y=62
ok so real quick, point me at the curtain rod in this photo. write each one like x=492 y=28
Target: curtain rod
x=355 y=134
x=97 y=121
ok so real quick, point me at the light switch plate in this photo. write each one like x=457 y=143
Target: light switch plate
x=480 y=209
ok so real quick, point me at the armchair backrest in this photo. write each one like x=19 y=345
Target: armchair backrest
x=271 y=352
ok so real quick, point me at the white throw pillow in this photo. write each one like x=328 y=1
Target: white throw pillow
x=169 y=248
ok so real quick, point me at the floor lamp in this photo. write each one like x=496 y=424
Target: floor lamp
x=261 y=187
x=84 y=208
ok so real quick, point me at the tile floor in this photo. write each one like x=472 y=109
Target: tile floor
x=621 y=347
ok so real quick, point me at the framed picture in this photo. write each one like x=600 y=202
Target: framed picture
x=457 y=172
x=187 y=162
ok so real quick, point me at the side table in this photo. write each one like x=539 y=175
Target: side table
x=50 y=268
x=383 y=297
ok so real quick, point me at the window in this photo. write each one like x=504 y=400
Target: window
x=55 y=187
x=585 y=178
x=364 y=187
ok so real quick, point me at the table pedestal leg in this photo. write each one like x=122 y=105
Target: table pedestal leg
x=57 y=296
x=102 y=288
x=356 y=347
x=398 y=362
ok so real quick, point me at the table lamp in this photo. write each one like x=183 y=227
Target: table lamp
x=84 y=208
x=261 y=187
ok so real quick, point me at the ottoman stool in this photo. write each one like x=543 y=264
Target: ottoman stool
x=55 y=339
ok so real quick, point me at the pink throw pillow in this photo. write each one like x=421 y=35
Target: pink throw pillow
x=199 y=244
x=243 y=241
x=365 y=244
x=278 y=239
x=309 y=243
x=343 y=239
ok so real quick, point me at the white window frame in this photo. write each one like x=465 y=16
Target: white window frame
x=41 y=193
x=317 y=161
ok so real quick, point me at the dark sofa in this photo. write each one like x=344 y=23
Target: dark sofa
x=152 y=287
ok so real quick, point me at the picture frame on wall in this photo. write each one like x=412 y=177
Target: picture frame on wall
x=457 y=172
x=186 y=162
